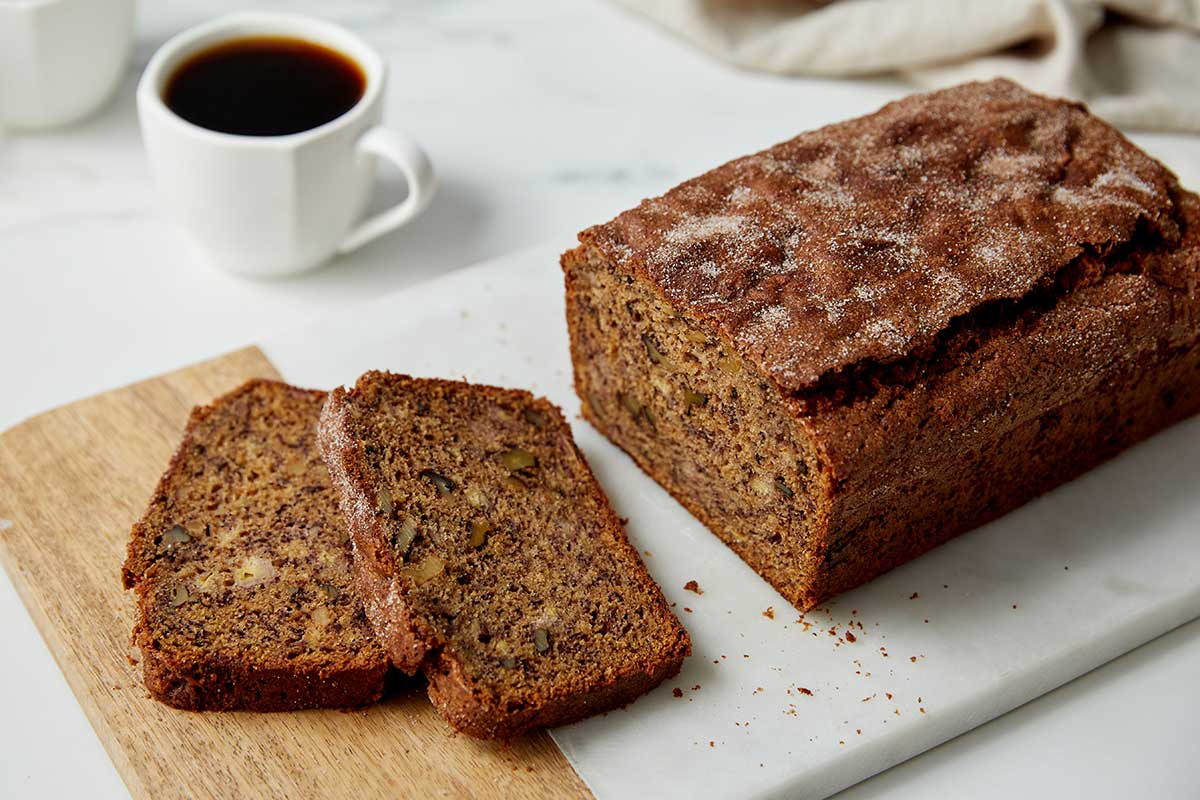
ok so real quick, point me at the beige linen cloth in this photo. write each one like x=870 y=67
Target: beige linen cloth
x=1135 y=62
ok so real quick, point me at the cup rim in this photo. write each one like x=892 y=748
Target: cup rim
x=247 y=24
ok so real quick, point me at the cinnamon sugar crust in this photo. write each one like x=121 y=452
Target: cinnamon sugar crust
x=858 y=243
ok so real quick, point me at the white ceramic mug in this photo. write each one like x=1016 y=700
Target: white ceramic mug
x=274 y=205
x=60 y=60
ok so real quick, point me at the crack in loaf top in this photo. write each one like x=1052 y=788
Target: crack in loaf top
x=860 y=241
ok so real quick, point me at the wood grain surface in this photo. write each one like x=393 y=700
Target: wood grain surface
x=72 y=481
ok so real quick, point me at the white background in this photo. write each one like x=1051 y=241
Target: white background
x=541 y=118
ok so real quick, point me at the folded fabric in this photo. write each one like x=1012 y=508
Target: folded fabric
x=1134 y=62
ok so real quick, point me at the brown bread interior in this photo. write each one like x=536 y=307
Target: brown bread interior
x=490 y=558
x=242 y=567
x=697 y=417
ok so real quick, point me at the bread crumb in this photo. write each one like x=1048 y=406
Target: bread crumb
x=677 y=692
x=805 y=691
x=692 y=586
x=770 y=612
x=913 y=596
x=850 y=637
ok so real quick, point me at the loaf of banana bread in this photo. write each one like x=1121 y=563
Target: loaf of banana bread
x=850 y=347
x=241 y=566
x=488 y=556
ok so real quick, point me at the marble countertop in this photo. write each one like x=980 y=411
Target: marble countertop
x=541 y=118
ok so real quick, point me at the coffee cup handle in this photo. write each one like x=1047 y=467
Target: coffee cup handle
x=414 y=165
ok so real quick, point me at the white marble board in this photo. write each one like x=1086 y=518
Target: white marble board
x=774 y=707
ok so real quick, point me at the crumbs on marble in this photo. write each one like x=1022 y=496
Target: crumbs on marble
x=692 y=586
x=769 y=613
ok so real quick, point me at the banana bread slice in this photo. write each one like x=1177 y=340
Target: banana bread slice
x=242 y=570
x=848 y=348
x=489 y=558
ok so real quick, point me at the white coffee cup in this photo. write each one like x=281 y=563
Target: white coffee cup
x=60 y=60
x=275 y=205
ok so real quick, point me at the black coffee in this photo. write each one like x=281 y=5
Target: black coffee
x=265 y=86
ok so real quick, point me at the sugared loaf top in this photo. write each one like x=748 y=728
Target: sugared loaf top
x=859 y=242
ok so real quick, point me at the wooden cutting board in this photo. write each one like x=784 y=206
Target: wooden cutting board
x=72 y=481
